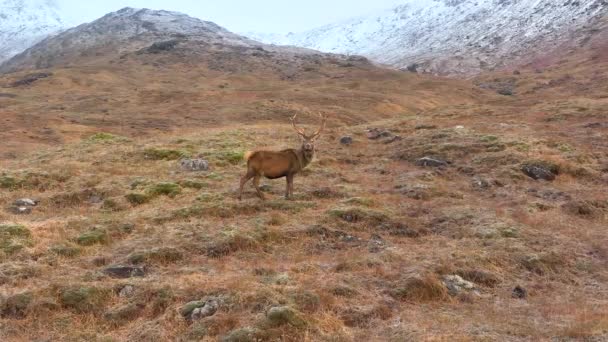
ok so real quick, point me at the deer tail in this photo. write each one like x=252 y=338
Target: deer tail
x=248 y=155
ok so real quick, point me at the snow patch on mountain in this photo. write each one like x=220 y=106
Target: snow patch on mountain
x=451 y=36
x=23 y=23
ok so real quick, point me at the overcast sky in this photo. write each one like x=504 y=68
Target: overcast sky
x=267 y=16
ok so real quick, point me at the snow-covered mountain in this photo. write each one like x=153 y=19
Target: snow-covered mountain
x=139 y=31
x=454 y=36
x=26 y=22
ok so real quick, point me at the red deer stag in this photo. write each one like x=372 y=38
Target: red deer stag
x=278 y=164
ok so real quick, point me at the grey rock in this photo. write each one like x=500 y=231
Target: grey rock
x=393 y=139
x=480 y=184
x=347 y=140
x=26 y=202
x=194 y=164
x=519 y=292
x=456 y=285
x=120 y=271
x=431 y=162
x=127 y=291
x=200 y=309
x=537 y=172
x=377 y=133
x=209 y=309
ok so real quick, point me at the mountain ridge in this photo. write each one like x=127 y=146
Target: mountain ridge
x=452 y=37
x=25 y=23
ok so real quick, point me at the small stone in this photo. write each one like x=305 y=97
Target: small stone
x=393 y=139
x=127 y=291
x=120 y=271
x=209 y=309
x=194 y=164
x=455 y=284
x=480 y=184
x=26 y=202
x=431 y=162
x=376 y=133
x=200 y=309
x=282 y=315
x=539 y=171
x=347 y=140
x=519 y=292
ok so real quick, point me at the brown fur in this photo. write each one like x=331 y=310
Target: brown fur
x=278 y=164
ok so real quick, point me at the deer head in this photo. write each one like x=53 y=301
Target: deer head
x=308 y=141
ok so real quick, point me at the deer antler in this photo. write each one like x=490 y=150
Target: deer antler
x=299 y=130
x=318 y=132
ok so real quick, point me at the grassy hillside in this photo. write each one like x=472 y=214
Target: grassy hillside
x=361 y=253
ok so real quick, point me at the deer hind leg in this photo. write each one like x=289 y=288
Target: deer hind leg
x=250 y=174
x=256 y=184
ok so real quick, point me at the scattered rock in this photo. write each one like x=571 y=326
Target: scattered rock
x=283 y=315
x=127 y=291
x=424 y=126
x=480 y=184
x=160 y=47
x=31 y=78
x=540 y=170
x=26 y=202
x=194 y=164
x=431 y=162
x=200 y=309
x=121 y=271
x=376 y=244
x=519 y=292
x=393 y=139
x=209 y=309
x=456 y=285
x=377 y=133
x=594 y=125
x=347 y=140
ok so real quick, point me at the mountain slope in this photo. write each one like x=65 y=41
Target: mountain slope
x=26 y=22
x=454 y=36
x=138 y=72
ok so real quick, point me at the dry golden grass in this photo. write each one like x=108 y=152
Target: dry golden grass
x=358 y=255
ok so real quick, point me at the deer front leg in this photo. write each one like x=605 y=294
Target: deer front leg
x=289 y=188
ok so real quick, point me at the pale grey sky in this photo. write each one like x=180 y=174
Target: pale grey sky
x=267 y=16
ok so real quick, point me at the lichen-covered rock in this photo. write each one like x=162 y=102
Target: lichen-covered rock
x=199 y=309
x=283 y=315
x=194 y=164
x=456 y=285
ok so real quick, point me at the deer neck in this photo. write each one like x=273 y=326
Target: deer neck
x=304 y=157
